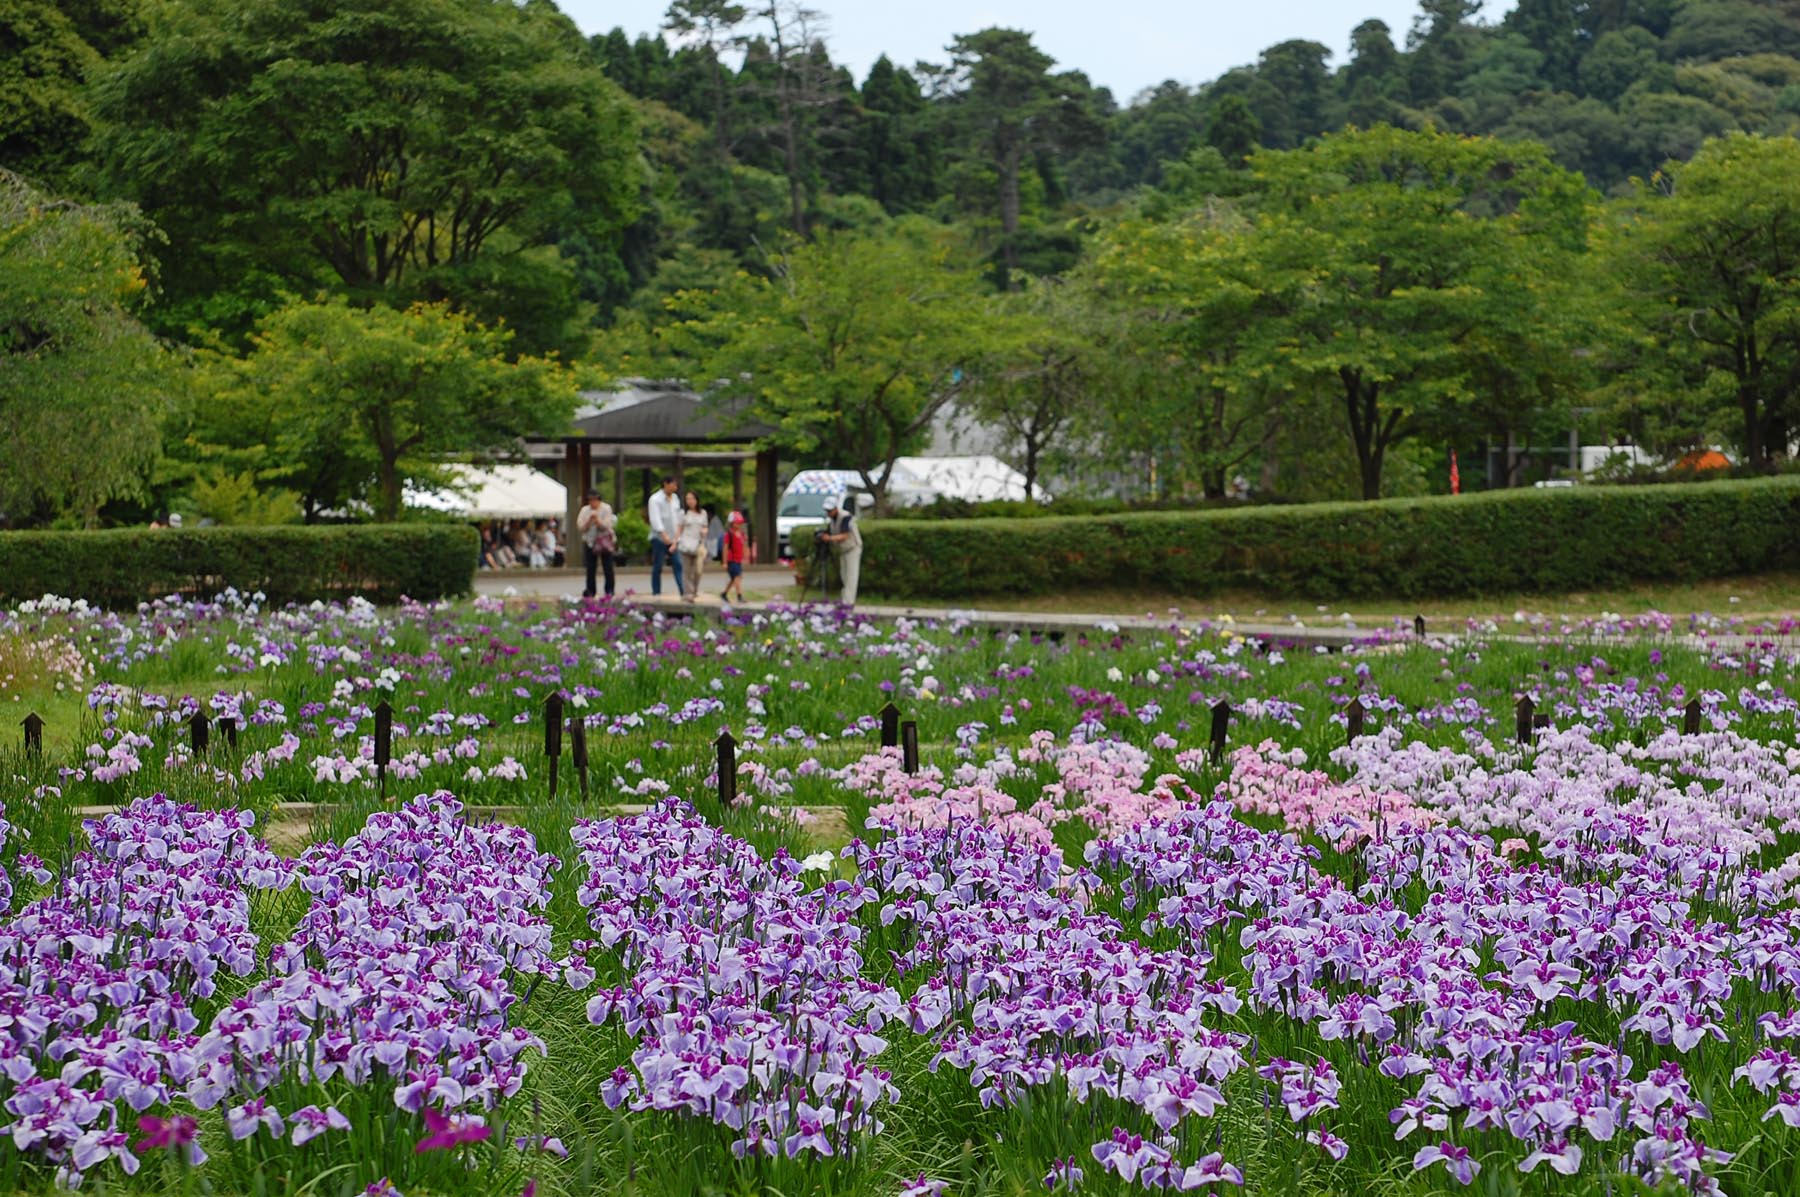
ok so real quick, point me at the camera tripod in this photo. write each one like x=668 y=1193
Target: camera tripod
x=817 y=564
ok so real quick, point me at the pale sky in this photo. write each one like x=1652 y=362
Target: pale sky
x=1126 y=45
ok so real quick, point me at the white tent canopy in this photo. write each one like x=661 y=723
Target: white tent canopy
x=977 y=479
x=497 y=492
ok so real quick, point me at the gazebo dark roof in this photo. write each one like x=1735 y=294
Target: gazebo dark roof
x=653 y=413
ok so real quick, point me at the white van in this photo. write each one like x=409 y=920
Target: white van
x=803 y=502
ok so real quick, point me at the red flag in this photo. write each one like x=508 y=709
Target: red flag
x=1455 y=478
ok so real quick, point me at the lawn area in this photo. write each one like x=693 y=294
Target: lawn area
x=1738 y=598
x=1073 y=947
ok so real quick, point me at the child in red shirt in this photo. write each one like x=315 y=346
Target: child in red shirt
x=737 y=552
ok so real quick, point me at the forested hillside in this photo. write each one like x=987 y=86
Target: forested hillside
x=1614 y=88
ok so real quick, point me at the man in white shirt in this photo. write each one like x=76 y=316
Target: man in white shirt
x=846 y=543
x=664 y=516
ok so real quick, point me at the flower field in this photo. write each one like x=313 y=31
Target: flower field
x=1073 y=951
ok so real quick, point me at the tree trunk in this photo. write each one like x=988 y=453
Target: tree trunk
x=1031 y=467
x=1362 y=402
x=1755 y=448
x=790 y=134
x=388 y=480
x=1212 y=478
x=796 y=189
x=1371 y=476
x=1010 y=157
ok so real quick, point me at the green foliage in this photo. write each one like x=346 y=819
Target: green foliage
x=850 y=349
x=1530 y=541
x=381 y=149
x=43 y=58
x=1009 y=112
x=336 y=397
x=80 y=378
x=1193 y=379
x=1411 y=270
x=1712 y=249
x=237 y=499
x=121 y=567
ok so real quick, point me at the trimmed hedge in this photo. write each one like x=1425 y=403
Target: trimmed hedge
x=122 y=567
x=1531 y=541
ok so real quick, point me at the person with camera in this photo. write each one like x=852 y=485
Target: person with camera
x=845 y=542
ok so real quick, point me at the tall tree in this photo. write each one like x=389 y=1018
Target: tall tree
x=1557 y=30
x=1411 y=244
x=1713 y=250
x=852 y=345
x=801 y=90
x=1035 y=396
x=711 y=29
x=402 y=389
x=899 y=156
x=1233 y=130
x=1003 y=97
x=81 y=381
x=379 y=149
x=1372 y=79
x=1298 y=82
x=1202 y=336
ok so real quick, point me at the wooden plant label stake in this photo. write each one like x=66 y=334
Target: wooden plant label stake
x=197 y=732
x=1221 y=720
x=578 y=749
x=909 y=746
x=384 y=741
x=553 y=710
x=228 y=725
x=890 y=726
x=1353 y=719
x=34 y=733
x=1527 y=720
x=1419 y=626
x=1690 y=718
x=727 y=746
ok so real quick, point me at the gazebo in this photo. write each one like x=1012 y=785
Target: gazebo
x=646 y=426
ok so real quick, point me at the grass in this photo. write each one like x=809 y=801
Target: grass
x=1762 y=595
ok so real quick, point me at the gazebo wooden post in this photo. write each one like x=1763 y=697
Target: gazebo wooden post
x=619 y=480
x=737 y=484
x=571 y=470
x=587 y=469
x=767 y=539
x=680 y=476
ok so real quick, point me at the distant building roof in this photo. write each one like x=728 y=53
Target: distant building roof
x=641 y=412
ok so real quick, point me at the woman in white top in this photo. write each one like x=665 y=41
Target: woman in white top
x=598 y=527
x=690 y=543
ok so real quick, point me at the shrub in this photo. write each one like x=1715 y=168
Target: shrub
x=1538 y=541
x=122 y=567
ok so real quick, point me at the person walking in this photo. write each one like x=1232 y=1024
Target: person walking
x=737 y=554
x=690 y=547
x=664 y=513
x=598 y=524
x=846 y=544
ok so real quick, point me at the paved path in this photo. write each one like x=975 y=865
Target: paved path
x=525 y=586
